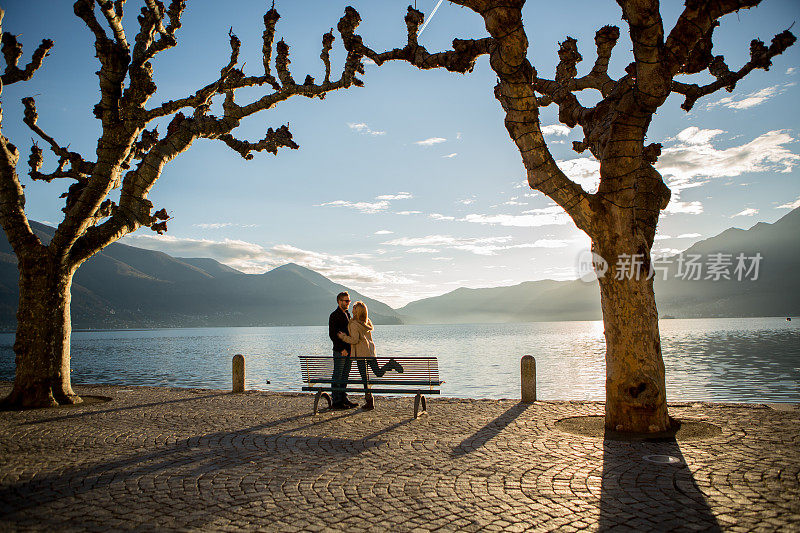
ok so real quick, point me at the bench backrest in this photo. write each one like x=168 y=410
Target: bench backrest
x=419 y=372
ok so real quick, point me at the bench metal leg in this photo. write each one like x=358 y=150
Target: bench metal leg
x=316 y=400
x=419 y=399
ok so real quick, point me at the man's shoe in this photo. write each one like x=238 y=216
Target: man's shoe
x=340 y=407
x=350 y=404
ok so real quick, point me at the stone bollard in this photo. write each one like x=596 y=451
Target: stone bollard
x=238 y=373
x=528 y=373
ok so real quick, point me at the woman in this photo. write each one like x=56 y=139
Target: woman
x=362 y=346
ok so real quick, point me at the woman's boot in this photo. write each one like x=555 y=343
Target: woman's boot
x=369 y=405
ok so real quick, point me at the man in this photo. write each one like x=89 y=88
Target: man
x=337 y=323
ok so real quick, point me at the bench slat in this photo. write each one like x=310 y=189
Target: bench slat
x=434 y=383
x=418 y=370
x=384 y=391
x=420 y=376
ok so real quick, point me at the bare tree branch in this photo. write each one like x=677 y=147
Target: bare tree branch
x=12 y=197
x=134 y=209
x=114 y=21
x=694 y=26
x=270 y=143
x=760 y=57
x=268 y=37
x=12 y=52
x=78 y=166
x=605 y=39
x=460 y=59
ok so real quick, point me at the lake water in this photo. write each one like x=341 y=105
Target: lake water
x=747 y=359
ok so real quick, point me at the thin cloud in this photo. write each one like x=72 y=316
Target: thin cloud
x=665 y=252
x=381 y=203
x=695 y=135
x=364 y=207
x=450 y=156
x=751 y=100
x=383 y=232
x=746 y=212
x=439 y=216
x=681 y=236
x=398 y=196
x=364 y=129
x=478 y=246
x=443 y=240
x=689 y=208
x=790 y=205
x=556 y=129
x=431 y=141
x=693 y=160
x=551 y=243
x=422 y=251
x=219 y=225
x=229 y=251
x=406 y=213
x=214 y=225
x=532 y=218
x=255 y=259
x=585 y=171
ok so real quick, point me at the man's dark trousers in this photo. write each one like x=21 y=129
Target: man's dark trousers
x=341 y=370
x=337 y=323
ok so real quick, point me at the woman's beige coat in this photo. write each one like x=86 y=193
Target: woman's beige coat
x=360 y=338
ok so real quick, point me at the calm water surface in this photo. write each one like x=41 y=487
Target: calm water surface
x=749 y=359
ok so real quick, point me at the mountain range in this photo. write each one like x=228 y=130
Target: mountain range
x=774 y=291
x=128 y=287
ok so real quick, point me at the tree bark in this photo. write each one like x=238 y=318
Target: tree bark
x=636 y=399
x=42 y=344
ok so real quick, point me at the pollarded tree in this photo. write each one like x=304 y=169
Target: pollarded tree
x=129 y=157
x=621 y=216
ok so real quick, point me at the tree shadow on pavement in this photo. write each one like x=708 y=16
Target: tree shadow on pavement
x=647 y=486
x=194 y=469
x=489 y=431
x=91 y=412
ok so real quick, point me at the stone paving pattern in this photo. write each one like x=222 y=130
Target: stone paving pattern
x=184 y=459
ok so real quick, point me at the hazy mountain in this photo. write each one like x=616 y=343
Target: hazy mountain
x=129 y=287
x=776 y=291
x=126 y=287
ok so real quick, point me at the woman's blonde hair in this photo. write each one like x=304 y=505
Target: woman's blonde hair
x=360 y=312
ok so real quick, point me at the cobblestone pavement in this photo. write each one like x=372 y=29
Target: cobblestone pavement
x=180 y=459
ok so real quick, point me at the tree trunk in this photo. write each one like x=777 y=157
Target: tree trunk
x=42 y=344
x=636 y=399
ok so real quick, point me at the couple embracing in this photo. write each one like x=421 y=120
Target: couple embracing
x=352 y=340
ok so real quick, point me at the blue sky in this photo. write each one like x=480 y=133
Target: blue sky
x=410 y=187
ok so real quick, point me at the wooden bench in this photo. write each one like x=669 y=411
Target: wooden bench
x=420 y=377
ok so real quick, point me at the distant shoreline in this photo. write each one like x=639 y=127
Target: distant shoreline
x=100 y=330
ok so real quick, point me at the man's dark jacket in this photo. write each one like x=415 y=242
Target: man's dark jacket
x=338 y=322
